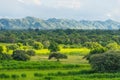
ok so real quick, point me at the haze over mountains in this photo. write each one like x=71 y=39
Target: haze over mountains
x=53 y=23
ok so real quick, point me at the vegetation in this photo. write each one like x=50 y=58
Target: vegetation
x=53 y=47
x=20 y=55
x=106 y=62
x=57 y=56
x=82 y=54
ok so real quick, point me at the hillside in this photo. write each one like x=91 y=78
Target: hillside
x=53 y=23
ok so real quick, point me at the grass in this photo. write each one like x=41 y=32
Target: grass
x=69 y=51
x=73 y=68
x=42 y=51
x=75 y=51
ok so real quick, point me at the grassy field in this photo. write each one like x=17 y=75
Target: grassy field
x=40 y=68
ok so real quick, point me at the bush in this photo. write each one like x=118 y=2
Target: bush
x=53 y=47
x=31 y=52
x=95 y=51
x=15 y=76
x=4 y=76
x=20 y=55
x=38 y=45
x=106 y=62
x=23 y=75
x=4 y=56
x=38 y=74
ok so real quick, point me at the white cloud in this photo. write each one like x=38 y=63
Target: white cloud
x=22 y=1
x=70 y=4
x=75 y=4
x=29 y=2
x=113 y=14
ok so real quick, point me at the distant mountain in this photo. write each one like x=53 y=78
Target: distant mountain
x=53 y=23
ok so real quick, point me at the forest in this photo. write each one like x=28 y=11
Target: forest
x=68 y=54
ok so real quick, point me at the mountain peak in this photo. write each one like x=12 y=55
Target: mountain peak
x=53 y=23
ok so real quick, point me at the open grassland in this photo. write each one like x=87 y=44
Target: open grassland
x=69 y=51
x=74 y=68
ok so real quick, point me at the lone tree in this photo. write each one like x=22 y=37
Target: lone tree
x=53 y=47
x=57 y=56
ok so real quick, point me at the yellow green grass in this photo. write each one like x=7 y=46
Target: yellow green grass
x=71 y=51
x=79 y=51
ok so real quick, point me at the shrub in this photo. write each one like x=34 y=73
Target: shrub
x=12 y=47
x=23 y=75
x=4 y=56
x=53 y=47
x=31 y=52
x=38 y=45
x=4 y=76
x=14 y=76
x=20 y=55
x=95 y=51
x=38 y=74
x=106 y=62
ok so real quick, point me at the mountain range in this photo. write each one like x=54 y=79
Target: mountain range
x=53 y=23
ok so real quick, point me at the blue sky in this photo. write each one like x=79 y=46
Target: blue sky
x=68 y=9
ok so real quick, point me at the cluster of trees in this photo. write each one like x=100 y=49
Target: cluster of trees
x=67 y=36
x=19 y=55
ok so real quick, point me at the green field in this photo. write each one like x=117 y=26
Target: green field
x=75 y=67
x=40 y=68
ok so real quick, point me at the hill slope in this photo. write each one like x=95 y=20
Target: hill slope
x=53 y=23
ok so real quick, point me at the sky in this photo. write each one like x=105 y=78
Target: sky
x=62 y=9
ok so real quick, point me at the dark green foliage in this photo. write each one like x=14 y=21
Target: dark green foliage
x=14 y=76
x=57 y=56
x=106 y=62
x=4 y=76
x=20 y=55
x=38 y=74
x=12 y=47
x=37 y=45
x=95 y=51
x=4 y=56
x=71 y=37
x=53 y=47
x=1 y=49
x=23 y=75
x=31 y=52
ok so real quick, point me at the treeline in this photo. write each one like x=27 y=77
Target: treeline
x=68 y=36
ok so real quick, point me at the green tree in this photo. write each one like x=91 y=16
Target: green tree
x=106 y=62
x=20 y=55
x=31 y=52
x=93 y=45
x=1 y=49
x=113 y=46
x=37 y=45
x=12 y=47
x=4 y=56
x=53 y=47
x=57 y=56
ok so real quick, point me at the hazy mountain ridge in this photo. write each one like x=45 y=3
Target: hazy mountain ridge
x=53 y=23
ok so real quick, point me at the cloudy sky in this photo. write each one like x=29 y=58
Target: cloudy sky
x=68 y=9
